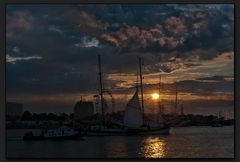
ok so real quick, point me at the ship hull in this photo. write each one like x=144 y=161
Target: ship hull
x=129 y=132
x=164 y=131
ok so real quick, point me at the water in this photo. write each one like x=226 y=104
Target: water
x=184 y=142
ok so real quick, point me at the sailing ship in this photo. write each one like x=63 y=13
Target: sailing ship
x=134 y=122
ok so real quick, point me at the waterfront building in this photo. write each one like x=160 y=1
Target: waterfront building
x=83 y=109
x=14 y=109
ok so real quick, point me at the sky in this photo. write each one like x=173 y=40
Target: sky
x=52 y=51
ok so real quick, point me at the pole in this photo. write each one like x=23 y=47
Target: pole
x=137 y=83
x=181 y=109
x=172 y=111
x=140 y=66
x=101 y=87
x=176 y=102
x=159 y=91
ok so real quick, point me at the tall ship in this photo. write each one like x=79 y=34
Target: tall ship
x=134 y=120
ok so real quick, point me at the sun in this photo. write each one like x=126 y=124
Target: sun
x=155 y=96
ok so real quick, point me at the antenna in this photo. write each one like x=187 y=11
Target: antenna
x=101 y=87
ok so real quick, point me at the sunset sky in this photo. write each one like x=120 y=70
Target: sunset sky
x=52 y=50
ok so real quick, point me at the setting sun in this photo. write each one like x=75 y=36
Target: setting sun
x=155 y=96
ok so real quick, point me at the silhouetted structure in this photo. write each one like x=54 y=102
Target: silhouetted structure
x=83 y=109
x=182 y=110
x=176 y=99
x=14 y=109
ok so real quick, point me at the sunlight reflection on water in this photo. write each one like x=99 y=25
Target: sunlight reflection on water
x=153 y=147
x=183 y=142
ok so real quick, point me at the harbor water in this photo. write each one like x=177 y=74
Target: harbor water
x=183 y=142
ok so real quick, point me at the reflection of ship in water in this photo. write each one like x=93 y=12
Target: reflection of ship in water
x=134 y=120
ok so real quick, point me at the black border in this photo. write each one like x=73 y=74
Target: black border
x=3 y=67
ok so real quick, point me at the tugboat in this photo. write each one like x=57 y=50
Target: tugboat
x=59 y=133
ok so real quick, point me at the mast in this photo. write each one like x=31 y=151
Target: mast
x=159 y=112
x=172 y=111
x=140 y=68
x=181 y=109
x=101 y=87
x=176 y=98
x=137 y=83
x=159 y=91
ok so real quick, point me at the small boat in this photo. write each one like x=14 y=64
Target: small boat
x=59 y=133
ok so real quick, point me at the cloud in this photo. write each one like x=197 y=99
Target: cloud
x=19 y=21
x=56 y=29
x=84 y=22
x=16 y=49
x=183 y=30
x=88 y=42
x=196 y=89
x=133 y=38
x=13 y=60
x=110 y=39
x=183 y=42
x=212 y=78
x=175 y=26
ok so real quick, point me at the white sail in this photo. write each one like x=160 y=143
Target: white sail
x=133 y=114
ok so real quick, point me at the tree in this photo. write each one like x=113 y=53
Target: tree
x=62 y=117
x=35 y=117
x=43 y=116
x=26 y=115
x=51 y=116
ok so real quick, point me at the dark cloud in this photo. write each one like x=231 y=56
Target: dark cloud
x=207 y=86
x=54 y=48
x=18 y=22
x=214 y=78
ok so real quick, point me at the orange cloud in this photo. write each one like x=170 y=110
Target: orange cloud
x=175 y=25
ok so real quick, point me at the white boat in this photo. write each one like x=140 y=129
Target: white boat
x=58 y=133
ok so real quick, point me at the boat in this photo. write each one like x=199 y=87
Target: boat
x=134 y=122
x=58 y=133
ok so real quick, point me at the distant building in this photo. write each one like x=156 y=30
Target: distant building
x=14 y=109
x=83 y=109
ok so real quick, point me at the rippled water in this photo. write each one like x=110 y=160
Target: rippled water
x=185 y=142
